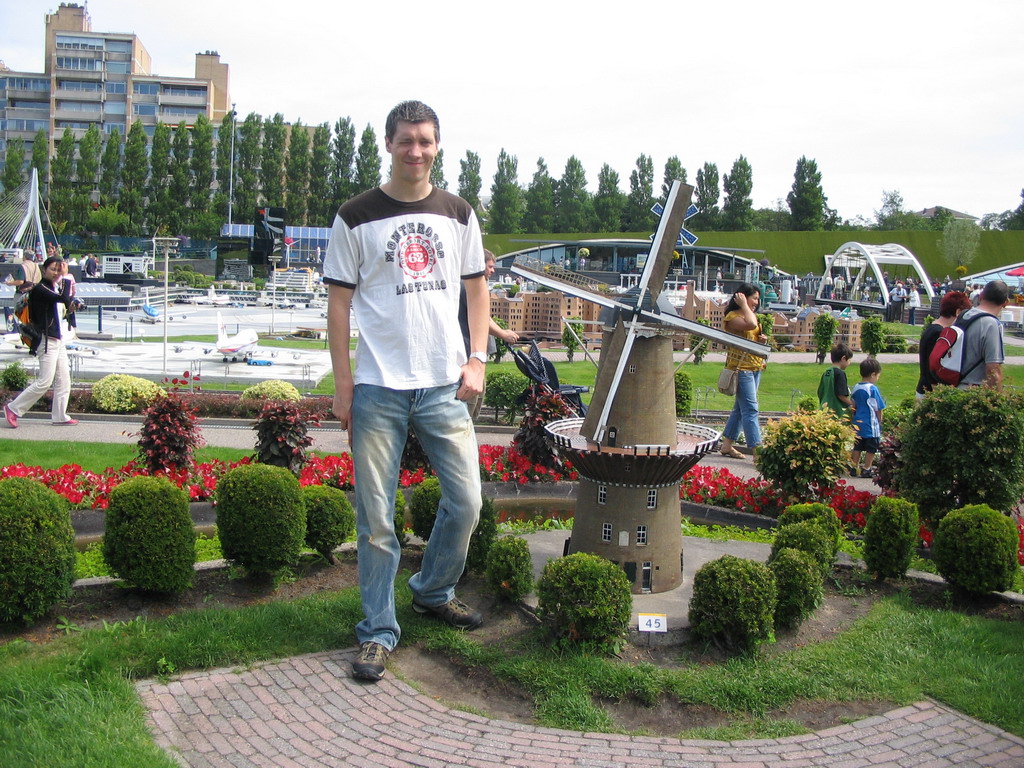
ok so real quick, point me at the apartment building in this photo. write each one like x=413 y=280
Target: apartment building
x=538 y=315
x=104 y=79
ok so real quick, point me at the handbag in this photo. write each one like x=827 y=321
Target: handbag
x=727 y=381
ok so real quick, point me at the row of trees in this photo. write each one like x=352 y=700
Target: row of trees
x=177 y=182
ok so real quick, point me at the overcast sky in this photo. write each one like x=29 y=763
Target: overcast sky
x=926 y=98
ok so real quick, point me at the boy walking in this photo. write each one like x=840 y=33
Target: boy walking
x=833 y=389
x=868 y=405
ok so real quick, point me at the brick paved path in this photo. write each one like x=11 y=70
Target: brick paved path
x=307 y=712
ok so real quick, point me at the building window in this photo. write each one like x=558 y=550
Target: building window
x=118 y=67
x=119 y=46
x=602 y=494
x=79 y=43
x=146 y=89
x=74 y=62
x=27 y=84
x=641 y=535
x=144 y=109
x=115 y=87
x=646 y=574
x=652 y=498
x=78 y=106
x=114 y=107
x=606 y=532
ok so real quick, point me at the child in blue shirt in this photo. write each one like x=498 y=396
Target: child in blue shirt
x=868 y=405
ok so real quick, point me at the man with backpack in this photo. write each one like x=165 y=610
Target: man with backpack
x=983 y=338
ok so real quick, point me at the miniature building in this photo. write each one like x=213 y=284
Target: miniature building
x=538 y=315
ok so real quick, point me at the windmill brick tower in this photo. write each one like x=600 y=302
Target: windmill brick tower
x=630 y=451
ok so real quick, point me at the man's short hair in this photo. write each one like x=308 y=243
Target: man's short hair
x=489 y=256
x=995 y=292
x=841 y=351
x=869 y=366
x=411 y=112
x=953 y=301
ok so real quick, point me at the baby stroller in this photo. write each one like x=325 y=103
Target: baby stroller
x=541 y=372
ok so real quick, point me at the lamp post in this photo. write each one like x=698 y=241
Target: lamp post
x=231 y=166
x=275 y=259
x=165 y=244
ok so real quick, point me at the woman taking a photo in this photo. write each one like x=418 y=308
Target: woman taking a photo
x=46 y=308
x=741 y=319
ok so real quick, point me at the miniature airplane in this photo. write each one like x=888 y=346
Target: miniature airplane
x=213 y=298
x=237 y=347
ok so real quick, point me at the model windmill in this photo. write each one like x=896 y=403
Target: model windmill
x=630 y=451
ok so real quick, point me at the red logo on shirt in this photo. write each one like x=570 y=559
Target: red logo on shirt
x=417 y=256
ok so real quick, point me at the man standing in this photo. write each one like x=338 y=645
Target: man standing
x=983 y=339
x=397 y=257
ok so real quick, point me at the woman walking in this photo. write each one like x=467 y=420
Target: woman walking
x=741 y=319
x=46 y=304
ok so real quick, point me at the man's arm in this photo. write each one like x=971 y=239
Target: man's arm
x=339 y=305
x=478 y=308
x=994 y=376
x=506 y=335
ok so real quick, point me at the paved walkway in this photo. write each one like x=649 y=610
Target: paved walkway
x=308 y=711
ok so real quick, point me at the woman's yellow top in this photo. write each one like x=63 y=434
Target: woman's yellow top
x=737 y=359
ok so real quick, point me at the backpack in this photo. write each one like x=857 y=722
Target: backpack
x=946 y=362
x=31 y=335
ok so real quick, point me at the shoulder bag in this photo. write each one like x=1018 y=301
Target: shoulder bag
x=727 y=381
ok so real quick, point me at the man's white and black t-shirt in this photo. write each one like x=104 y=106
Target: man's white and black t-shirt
x=406 y=263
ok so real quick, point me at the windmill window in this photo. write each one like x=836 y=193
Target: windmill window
x=606 y=532
x=641 y=535
x=652 y=498
x=632 y=368
x=602 y=494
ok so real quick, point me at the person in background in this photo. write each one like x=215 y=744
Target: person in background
x=952 y=305
x=833 y=389
x=741 y=319
x=868 y=405
x=27 y=274
x=983 y=340
x=46 y=304
x=913 y=302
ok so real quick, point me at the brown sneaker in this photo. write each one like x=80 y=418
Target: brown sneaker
x=370 y=663
x=454 y=612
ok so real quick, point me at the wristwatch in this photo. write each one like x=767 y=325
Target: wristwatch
x=481 y=356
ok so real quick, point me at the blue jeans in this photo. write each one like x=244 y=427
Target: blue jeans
x=744 y=410
x=381 y=419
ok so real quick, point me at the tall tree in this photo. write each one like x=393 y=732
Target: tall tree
x=297 y=175
x=539 y=216
x=892 y=216
x=157 y=208
x=14 y=165
x=110 y=169
x=180 y=189
x=62 y=180
x=1016 y=219
x=807 y=201
x=738 y=211
x=225 y=164
x=272 y=160
x=470 y=181
x=322 y=205
x=367 y=162
x=41 y=157
x=205 y=221
x=638 y=216
x=573 y=208
x=87 y=171
x=609 y=202
x=959 y=242
x=133 y=177
x=437 y=171
x=247 y=178
x=707 y=193
x=674 y=171
x=505 y=213
x=343 y=161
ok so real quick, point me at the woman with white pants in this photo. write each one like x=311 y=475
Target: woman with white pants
x=45 y=302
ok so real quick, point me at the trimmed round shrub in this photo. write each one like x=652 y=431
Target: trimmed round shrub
x=889 y=537
x=400 y=509
x=14 y=377
x=330 y=519
x=961 y=447
x=423 y=507
x=483 y=537
x=975 y=549
x=733 y=603
x=798 y=579
x=271 y=389
x=37 y=549
x=509 y=571
x=120 y=393
x=810 y=536
x=803 y=451
x=150 y=540
x=823 y=513
x=260 y=517
x=585 y=600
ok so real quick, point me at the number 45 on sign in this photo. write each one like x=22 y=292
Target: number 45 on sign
x=653 y=622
